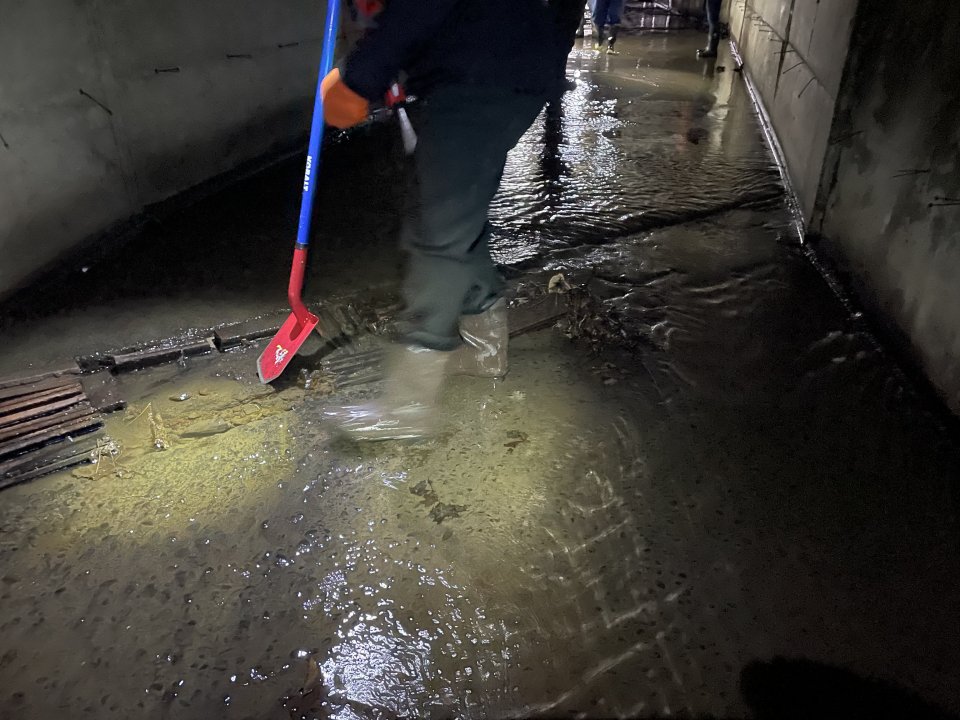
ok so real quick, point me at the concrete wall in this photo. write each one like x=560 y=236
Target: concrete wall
x=866 y=107
x=96 y=124
x=795 y=52
x=895 y=157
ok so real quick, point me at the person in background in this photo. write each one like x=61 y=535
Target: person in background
x=570 y=15
x=583 y=20
x=712 y=8
x=482 y=70
x=606 y=22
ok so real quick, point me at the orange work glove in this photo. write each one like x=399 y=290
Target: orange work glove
x=342 y=107
x=369 y=8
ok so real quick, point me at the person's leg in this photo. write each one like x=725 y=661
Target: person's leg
x=713 y=16
x=712 y=8
x=614 y=13
x=485 y=339
x=599 y=17
x=583 y=20
x=464 y=137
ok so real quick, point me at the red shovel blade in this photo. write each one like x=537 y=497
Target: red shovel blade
x=284 y=345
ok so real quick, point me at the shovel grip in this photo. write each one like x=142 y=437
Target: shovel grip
x=295 y=288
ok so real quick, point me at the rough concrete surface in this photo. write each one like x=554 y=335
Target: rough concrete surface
x=107 y=108
x=795 y=52
x=890 y=204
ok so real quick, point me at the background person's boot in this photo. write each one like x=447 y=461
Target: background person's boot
x=484 y=350
x=598 y=37
x=710 y=51
x=612 y=39
x=408 y=407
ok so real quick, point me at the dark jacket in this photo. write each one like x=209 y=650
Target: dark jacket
x=519 y=45
x=569 y=13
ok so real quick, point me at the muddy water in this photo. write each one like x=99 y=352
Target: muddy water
x=637 y=144
x=739 y=472
x=218 y=567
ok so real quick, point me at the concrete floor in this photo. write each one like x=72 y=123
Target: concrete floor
x=711 y=466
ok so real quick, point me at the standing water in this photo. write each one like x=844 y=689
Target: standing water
x=710 y=465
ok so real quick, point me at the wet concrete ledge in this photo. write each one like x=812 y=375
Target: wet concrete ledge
x=850 y=287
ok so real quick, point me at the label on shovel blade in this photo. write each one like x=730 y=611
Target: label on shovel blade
x=284 y=345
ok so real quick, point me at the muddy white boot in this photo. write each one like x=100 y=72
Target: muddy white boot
x=612 y=39
x=598 y=37
x=408 y=406
x=710 y=51
x=485 y=338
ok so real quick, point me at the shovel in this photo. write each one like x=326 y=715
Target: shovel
x=301 y=322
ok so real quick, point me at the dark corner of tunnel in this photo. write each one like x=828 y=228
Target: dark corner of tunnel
x=802 y=689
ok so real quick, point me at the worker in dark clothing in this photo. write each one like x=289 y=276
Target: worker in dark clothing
x=712 y=8
x=606 y=22
x=483 y=70
x=570 y=16
x=583 y=20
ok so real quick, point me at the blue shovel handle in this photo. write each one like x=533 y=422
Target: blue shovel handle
x=316 y=125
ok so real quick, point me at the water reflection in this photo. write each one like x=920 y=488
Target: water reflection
x=730 y=475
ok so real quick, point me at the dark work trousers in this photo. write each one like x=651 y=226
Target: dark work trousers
x=713 y=15
x=606 y=12
x=464 y=135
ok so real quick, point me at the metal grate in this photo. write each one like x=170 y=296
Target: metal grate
x=45 y=426
x=663 y=14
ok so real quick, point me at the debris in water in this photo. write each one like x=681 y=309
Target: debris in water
x=182 y=397
x=558 y=284
x=158 y=431
x=308 y=700
x=515 y=437
x=424 y=489
x=108 y=448
x=206 y=428
x=442 y=511
x=316 y=381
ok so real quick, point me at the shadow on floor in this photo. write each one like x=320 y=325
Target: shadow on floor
x=791 y=689
x=801 y=689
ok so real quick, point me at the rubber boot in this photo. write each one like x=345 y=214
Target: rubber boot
x=579 y=32
x=598 y=37
x=612 y=39
x=484 y=350
x=710 y=51
x=408 y=407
